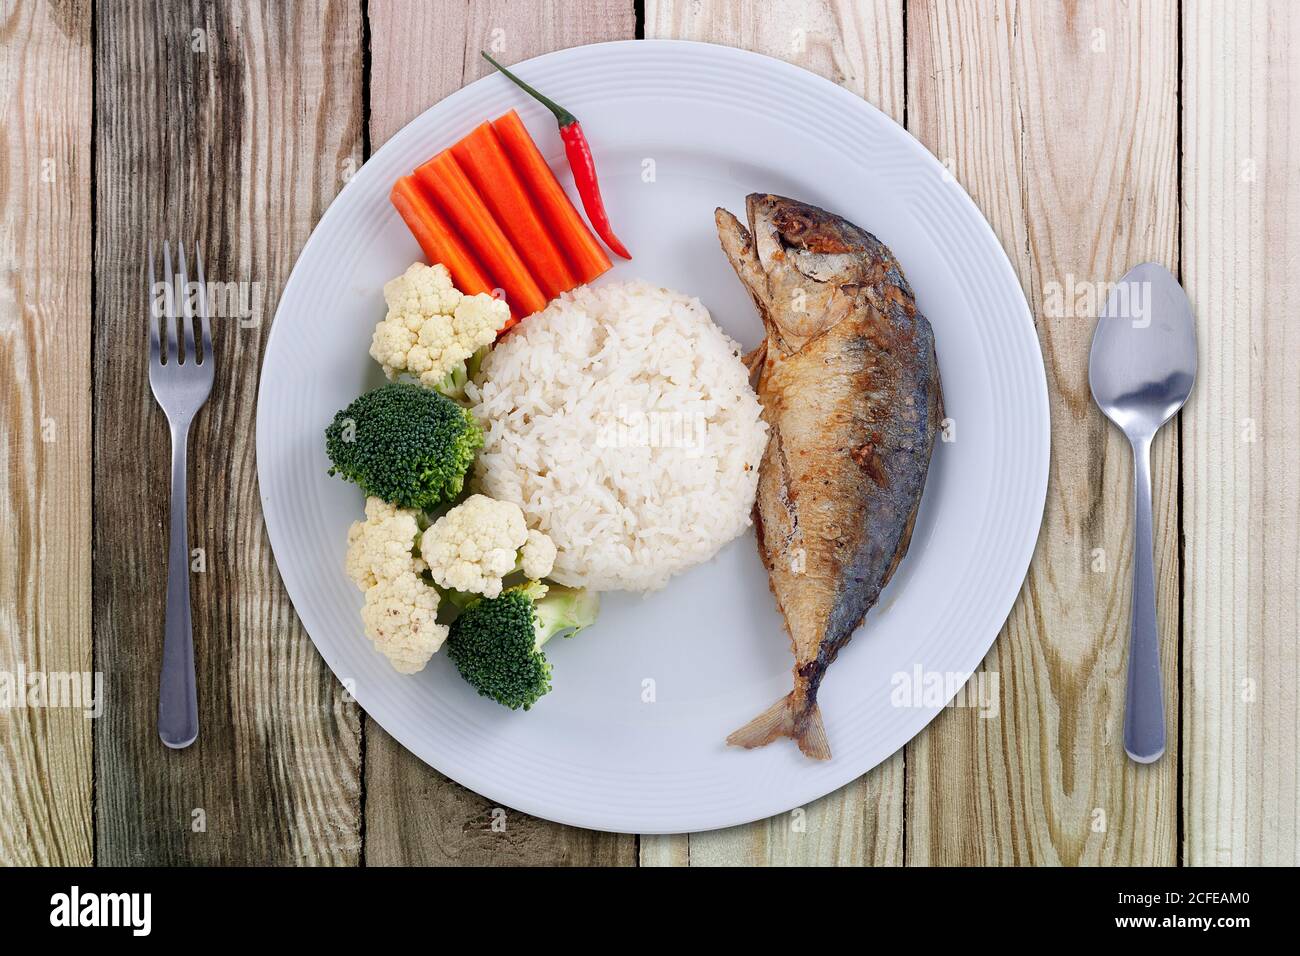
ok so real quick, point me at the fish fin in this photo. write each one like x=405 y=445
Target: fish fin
x=779 y=720
x=772 y=723
x=812 y=739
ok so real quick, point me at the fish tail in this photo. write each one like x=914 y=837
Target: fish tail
x=788 y=717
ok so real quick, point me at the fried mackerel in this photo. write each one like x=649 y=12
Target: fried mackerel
x=849 y=383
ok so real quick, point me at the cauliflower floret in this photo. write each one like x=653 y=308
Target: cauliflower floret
x=401 y=616
x=382 y=547
x=422 y=290
x=477 y=543
x=478 y=318
x=432 y=330
x=538 y=555
x=401 y=610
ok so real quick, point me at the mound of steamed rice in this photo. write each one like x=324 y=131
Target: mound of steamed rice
x=621 y=421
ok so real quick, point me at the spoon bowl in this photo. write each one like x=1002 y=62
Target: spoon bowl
x=1143 y=359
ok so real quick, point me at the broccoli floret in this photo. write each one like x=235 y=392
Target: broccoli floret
x=496 y=643
x=405 y=444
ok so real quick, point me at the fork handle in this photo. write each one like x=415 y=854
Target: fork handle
x=1144 y=712
x=178 y=708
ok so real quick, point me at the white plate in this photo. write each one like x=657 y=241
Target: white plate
x=677 y=129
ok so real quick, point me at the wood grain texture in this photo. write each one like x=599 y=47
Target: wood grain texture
x=45 y=226
x=860 y=824
x=414 y=815
x=673 y=849
x=859 y=46
x=1241 y=493
x=1061 y=122
x=232 y=124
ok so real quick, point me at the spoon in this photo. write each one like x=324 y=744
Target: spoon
x=1141 y=369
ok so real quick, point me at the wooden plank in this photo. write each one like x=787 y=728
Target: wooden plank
x=858 y=825
x=860 y=46
x=45 y=226
x=417 y=817
x=1241 y=240
x=672 y=849
x=232 y=124
x=414 y=815
x=1061 y=121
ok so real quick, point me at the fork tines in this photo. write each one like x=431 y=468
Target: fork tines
x=172 y=304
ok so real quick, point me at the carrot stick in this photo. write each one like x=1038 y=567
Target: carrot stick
x=453 y=191
x=485 y=162
x=586 y=258
x=436 y=237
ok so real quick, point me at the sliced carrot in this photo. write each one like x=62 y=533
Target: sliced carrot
x=436 y=237
x=462 y=204
x=488 y=167
x=586 y=257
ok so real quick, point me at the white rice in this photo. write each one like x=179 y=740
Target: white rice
x=621 y=421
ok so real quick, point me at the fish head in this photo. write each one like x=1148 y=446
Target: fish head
x=806 y=269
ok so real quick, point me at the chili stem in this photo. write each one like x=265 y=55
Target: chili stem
x=562 y=116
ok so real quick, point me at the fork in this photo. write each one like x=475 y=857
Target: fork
x=181 y=380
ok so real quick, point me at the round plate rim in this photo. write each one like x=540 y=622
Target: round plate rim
x=610 y=820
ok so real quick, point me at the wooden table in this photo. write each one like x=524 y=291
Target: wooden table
x=1092 y=135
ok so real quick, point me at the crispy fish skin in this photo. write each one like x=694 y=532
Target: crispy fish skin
x=849 y=382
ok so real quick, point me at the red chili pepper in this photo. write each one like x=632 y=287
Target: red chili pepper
x=578 y=151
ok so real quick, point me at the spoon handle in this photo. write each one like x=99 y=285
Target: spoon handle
x=1144 y=714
